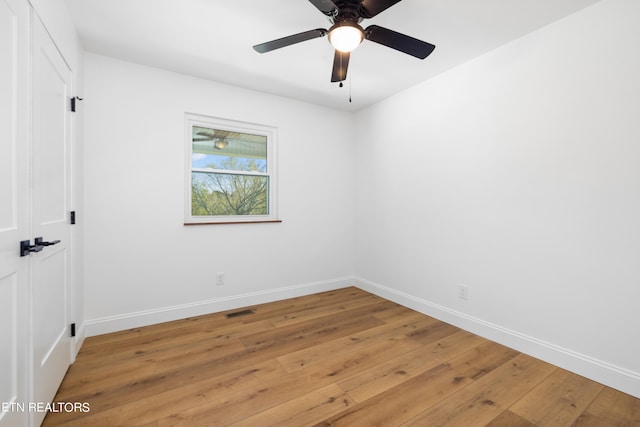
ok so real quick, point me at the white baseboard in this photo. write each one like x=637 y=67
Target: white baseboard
x=138 y=319
x=597 y=370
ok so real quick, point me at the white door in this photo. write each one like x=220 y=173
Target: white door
x=51 y=193
x=14 y=211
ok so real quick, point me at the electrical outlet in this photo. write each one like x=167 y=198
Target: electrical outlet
x=463 y=292
x=219 y=278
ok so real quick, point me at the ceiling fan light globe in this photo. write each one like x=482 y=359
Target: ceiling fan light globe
x=346 y=38
x=221 y=144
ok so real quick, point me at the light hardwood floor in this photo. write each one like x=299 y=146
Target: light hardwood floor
x=344 y=358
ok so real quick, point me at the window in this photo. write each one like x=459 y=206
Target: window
x=231 y=171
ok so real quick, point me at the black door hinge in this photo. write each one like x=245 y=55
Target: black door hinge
x=72 y=217
x=73 y=329
x=73 y=102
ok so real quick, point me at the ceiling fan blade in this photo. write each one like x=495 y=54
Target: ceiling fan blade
x=340 y=65
x=371 y=8
x=200 y=139
x=289 y=40
x=398 y=41
x=327 y=7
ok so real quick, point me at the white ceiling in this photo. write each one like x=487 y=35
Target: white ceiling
x=213 y=39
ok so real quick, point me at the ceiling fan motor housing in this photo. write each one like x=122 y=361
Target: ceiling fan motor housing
x=348 y=11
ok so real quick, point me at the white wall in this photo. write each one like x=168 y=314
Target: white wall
x=142 y=264
x=517 y=174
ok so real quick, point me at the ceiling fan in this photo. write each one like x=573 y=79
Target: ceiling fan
x=346 y=33
x=226 y=142
x=219 y=137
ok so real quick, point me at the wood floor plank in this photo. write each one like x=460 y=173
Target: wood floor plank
x=560 y=399
x=482 y=360
x=292 y=305
x=611 y=408
x=342 y=357
x=396 y=312
x=148 y=373
x=331 y=309
x=294 y=337
x=396 y=405
x=135 y=352
x=279 y=386
x=344 y=365
x=380 y=378
x=483 y=400
x=330 y=349
x=433 y=332
x=278 y=389
x=151 y=406
x=307 y=409
x=509 y=419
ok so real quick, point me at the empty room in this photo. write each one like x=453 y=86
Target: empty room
x=222 y=213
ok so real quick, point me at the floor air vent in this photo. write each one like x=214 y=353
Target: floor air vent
x=239 y=313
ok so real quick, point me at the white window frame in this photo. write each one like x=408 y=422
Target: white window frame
x=233 y=126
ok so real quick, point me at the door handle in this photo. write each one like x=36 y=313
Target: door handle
x=38 y=241
x=26 y=248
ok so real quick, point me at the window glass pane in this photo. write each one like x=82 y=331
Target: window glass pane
x=226 y=150
x=229 y=194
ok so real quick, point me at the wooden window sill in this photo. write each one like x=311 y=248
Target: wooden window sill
x=233 y=222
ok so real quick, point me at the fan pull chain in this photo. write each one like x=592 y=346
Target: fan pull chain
x=350 y=84
x=341 y=85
